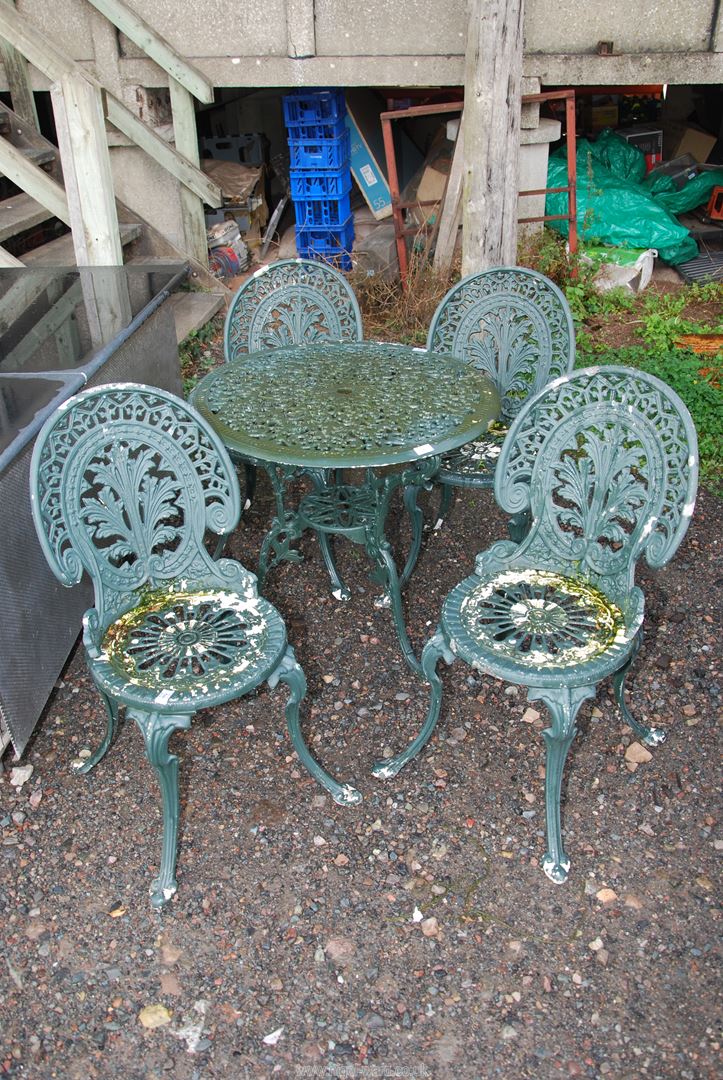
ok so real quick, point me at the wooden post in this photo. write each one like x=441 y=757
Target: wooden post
x=492 y=81
x=18 y=76
x=80 y=124
x=186 y=138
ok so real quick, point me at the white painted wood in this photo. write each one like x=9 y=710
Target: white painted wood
x=493 y=72
x=451 y=216
x=80 y=127
x=6 y=259
x=160 y=151
x=36 y=183
x=18 y=77
x=186 y=139
x=156 y=46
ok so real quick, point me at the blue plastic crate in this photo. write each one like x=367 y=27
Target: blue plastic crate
x=307 y=106
x=330 y=245
x=320 y=154
x=319 y=129
x=322 y=213
x=320 y=184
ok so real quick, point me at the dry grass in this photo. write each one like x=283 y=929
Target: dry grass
x=390 y=313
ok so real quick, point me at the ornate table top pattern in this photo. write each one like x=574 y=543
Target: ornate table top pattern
x=346 y=405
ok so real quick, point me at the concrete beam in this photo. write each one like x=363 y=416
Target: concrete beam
x=552 y=69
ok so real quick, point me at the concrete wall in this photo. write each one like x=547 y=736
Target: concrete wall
x=377 y=43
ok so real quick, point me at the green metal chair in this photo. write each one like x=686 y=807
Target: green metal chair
x=605 y=462
x=125 y=482
x=516 y=326
x=291 y=302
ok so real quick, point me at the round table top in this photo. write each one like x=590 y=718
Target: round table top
x=346 y=405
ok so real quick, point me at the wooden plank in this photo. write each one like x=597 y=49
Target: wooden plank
x=160 y=151
x=451 y=217
x=192 y=310
x=80 y=127
x=34 y=182
x=21 y=212
x=24 y=291
x=156 y=46
x=18 y=76
x=44 y=328
x=6 y=259
x=186 y=139
x=61 y=252
x=492 y=104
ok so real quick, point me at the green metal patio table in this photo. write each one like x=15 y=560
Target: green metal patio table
x=390 y=410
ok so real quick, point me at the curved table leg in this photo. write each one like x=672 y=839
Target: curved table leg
x=416 y=518
x=276 y=545
x=321 y=479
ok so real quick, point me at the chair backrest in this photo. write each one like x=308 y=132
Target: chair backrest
x=124 y=482
x=512 y=323
x=292 y=302
x=606 y=461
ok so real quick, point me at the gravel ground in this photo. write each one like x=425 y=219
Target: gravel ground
x=414 y=935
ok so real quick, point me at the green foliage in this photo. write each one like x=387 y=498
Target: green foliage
x=195 y=356
x=699 y=384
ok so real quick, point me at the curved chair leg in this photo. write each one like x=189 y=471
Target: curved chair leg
x=250 y=484
x=650 y=735
x=157 y=730
x=435 y=649
x=416 y=518
x=444 y=504
x=289 y=671
x=112 y=709
x=519 y=526
x=563 y=705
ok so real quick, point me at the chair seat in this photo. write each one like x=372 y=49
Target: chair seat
x=179 y=650
x=539 y=628
x=473 y=465
x=339 y=508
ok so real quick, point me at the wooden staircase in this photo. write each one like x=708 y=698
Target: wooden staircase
x=22 y=216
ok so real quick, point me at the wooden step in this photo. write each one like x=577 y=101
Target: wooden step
x=18 y=213
x=192 y=310
x=61 y=252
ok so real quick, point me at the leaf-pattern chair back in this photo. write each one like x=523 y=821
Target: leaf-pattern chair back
x=605 y=462
x=292 y=302
x=514 y=324
x=124 y=485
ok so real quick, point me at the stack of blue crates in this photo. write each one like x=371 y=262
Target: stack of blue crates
x=320 y=153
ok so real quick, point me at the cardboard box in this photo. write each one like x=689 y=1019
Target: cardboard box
x=368 y=161
x=647 y=139
x=696 y=142
x=602 y=116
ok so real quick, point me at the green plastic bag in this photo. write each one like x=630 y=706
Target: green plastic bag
x=615 y=210
x=696 y=192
